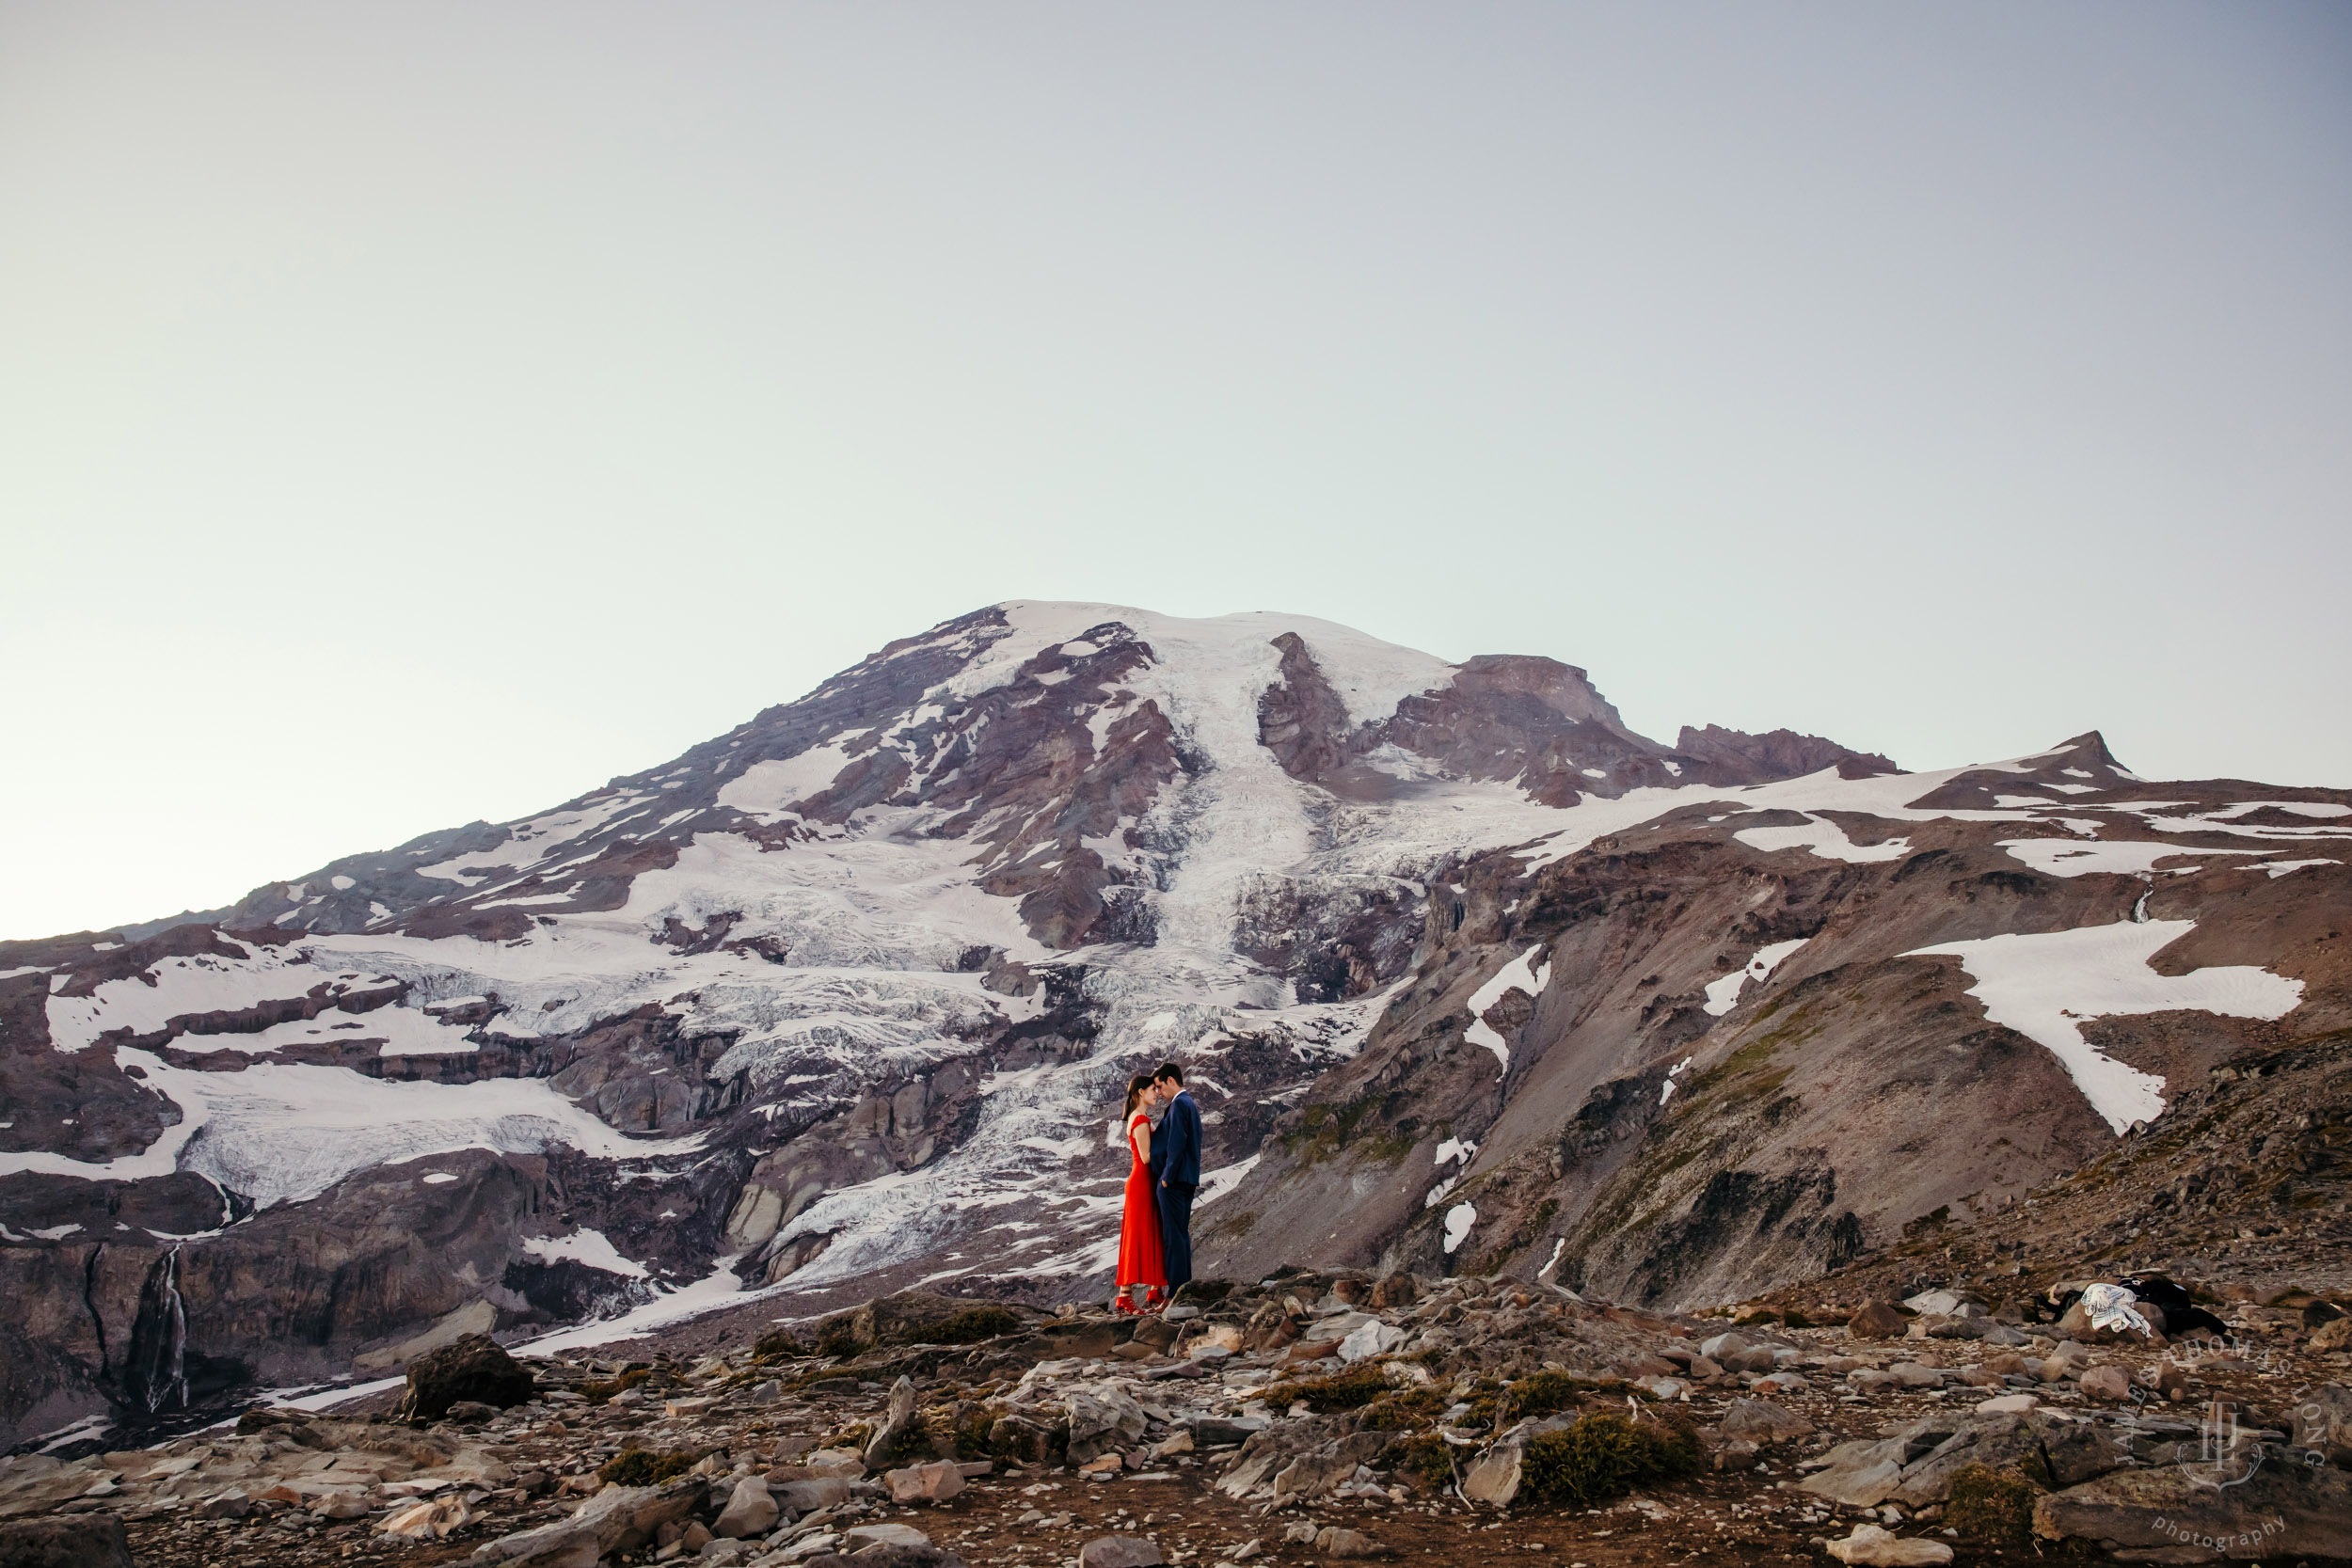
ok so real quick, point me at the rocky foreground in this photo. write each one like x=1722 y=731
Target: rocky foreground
x=1306 y=1418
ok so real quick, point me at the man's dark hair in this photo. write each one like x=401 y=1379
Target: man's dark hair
x=1171 y=1070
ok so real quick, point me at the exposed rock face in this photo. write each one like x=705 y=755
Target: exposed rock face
x=1468 y=974
x=1775 y=754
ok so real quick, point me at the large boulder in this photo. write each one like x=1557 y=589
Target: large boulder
x=1859 y=1474
x=1494 y=1476
x=751 y=1509
x=1762 y=1422
x=1878 y=1320
x=471 y=1368
x=617 y=1520
x=2323 y=1421
x=2171 y=1513
x=1102 y=1418
x=897 y=1427
x=2053 y=1450
x=1874 y=1546
x=79 y=1541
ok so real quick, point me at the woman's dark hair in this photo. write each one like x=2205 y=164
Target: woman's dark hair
x=1136 y=1087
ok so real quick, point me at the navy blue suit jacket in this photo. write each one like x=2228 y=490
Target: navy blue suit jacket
x=1179 y=1160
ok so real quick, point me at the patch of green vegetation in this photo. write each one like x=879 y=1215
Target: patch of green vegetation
x=1428 y=1459
x=1549 y=1393
x=1992 y=1506
x=1404 y=1411
x=838 y=1341
x=1239 y=1224
x=597 y=1393
x=1605 y=1455
x=972 y=1428
x=644 y=1468
x=777 y=1345
x=1324 y=1130
x=905 y=1442
x=969 y=1326
x=1349 y=1390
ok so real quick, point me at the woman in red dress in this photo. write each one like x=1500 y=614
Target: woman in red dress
x=1142 y=1276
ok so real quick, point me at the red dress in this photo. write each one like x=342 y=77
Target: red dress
x=1139 y=1257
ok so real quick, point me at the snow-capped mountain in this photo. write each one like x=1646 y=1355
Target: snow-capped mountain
x=1467 y=973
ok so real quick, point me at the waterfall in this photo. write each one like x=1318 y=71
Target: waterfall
x=159 y=1340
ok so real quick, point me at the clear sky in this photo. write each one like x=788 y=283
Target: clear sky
x=417 y=412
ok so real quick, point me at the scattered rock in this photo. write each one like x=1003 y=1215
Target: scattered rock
x=1120 y=1551
x=2010 y=1405
x=1337 y=1541
x=2110 y=1385
x=1101 y=1418
x=427 y=1521
x=752 y=1511
x=2323 y=1422
x=1878 y=1320
x=898 y=1425
x=1763 y=1421
x=807 y=1496
x=1494 y=1476
x=1872 y=1546
x=924 y=1483
x=1736 y=1455
x=1369 y=1339
x=1859 y=1474
x=2335 y=1333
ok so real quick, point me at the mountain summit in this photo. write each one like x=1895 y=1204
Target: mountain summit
x=1468 y=975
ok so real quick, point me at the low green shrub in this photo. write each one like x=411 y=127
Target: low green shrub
x=1349 y=1390
x=1992 y=1506
x=644 y=1468
x=597 y=1393
x=1428 y=1459
x=776 y=1345
x=1605 y=1455
x=969 y=1326
x=1548 y=1393
x=1403 y=1411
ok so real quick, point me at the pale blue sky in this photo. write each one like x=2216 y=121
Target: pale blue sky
x=416 y=412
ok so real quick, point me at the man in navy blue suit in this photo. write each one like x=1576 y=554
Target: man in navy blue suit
x=1177 y=1173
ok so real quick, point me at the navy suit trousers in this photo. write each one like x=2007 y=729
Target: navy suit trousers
x=1176 y=1231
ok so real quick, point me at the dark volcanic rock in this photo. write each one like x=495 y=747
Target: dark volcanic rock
x=84 y=1540
x=472 y=1368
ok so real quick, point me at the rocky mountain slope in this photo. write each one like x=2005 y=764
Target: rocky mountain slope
x=1471 y=977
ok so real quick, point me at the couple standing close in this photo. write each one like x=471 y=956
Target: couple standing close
x=1155 y=1234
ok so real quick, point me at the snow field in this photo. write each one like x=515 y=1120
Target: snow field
x=1723 y=994
x=2046 y=986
